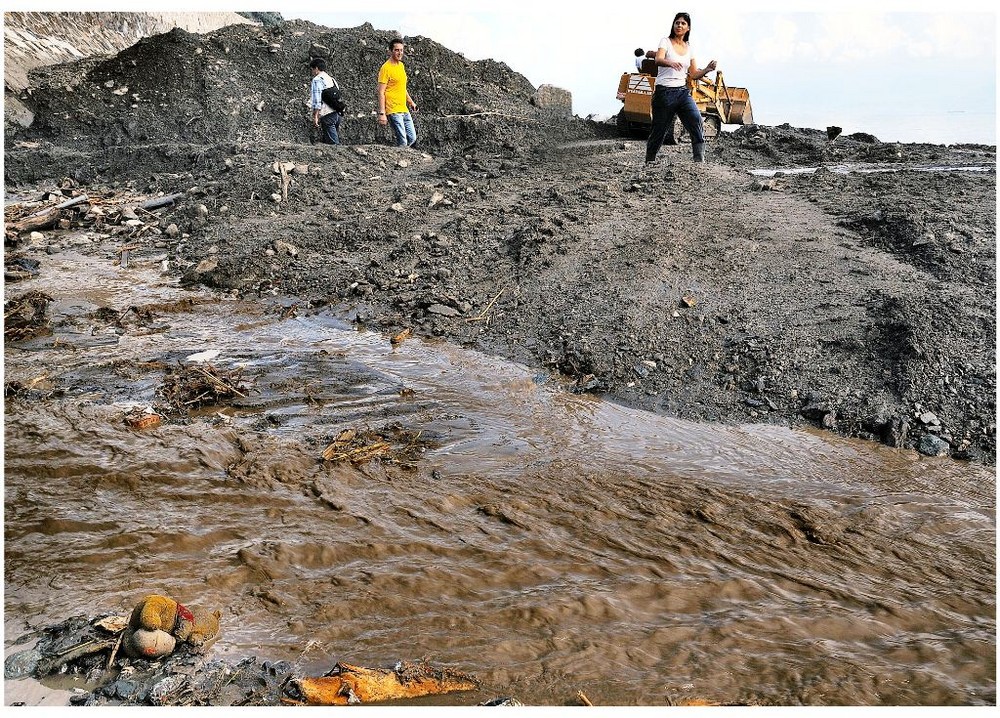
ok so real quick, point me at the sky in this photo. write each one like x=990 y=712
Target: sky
x=911 y=71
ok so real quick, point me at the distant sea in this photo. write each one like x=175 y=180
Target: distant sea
x=943 y=128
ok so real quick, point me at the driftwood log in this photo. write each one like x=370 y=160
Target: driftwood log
x=351 y=685
x=160 y=201
x=47 y=219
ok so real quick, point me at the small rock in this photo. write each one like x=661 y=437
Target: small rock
x=282 y=247
x=442 y=310
x=768 y=185
x=397 y=207
x=931 y=445
x=928 y=417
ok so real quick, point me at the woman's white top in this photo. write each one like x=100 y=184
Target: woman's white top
x=668 y=76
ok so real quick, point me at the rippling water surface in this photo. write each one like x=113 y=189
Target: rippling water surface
x=546 y=542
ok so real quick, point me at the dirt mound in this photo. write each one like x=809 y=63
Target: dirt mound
x=249 y=84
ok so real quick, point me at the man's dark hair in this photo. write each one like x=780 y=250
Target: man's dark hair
x=319 y=63
x=639 y=52
x=396 y=41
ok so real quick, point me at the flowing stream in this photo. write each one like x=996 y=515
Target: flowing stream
x=545 y=541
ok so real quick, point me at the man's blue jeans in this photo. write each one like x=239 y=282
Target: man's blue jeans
x=402 y=127
x=668 y=102
x=330 y=124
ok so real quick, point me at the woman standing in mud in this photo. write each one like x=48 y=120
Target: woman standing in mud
x=675 y=64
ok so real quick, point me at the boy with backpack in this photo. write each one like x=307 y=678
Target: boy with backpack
x=326 y=116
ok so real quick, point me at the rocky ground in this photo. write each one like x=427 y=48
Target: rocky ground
x=862 y=302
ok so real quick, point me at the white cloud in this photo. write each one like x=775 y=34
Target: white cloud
x=779 y=43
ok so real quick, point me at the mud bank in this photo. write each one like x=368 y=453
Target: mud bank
x=863 y=302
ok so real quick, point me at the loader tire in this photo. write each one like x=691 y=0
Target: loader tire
x=624 y=126
x=713 y=126
x=630 y=129
x=678 y=133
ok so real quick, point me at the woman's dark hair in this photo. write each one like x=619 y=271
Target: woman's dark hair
x=639 y=52
x=687 y=19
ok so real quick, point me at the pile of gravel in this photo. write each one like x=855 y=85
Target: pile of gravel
x=249 y=84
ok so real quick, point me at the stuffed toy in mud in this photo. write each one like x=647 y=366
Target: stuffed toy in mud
x=159 y=623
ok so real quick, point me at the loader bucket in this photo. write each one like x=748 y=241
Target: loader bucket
x=737 y=106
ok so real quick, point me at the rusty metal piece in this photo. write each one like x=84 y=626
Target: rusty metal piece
x=399 y=338
x=351 y=685
x=143 y=421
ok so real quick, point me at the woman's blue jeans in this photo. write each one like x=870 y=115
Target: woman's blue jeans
x=402 y=127
x=669 y=102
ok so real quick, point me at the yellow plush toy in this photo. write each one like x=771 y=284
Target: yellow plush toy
x=158 y=623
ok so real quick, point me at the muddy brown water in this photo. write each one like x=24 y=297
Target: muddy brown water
x=546 y=542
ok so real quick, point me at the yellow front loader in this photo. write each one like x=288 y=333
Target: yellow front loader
x=718 y=103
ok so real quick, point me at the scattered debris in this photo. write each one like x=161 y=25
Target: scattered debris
x=186 y=388
x=16 y=269
x=109 y=212
x=502 y=701
x=41 y=387
x=354 y=685
x=24 y=316
x=484 y=315
x=358 y=448
x=585 y=383
x=391 y=444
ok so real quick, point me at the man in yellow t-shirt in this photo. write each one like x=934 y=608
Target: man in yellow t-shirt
x=394 y=102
